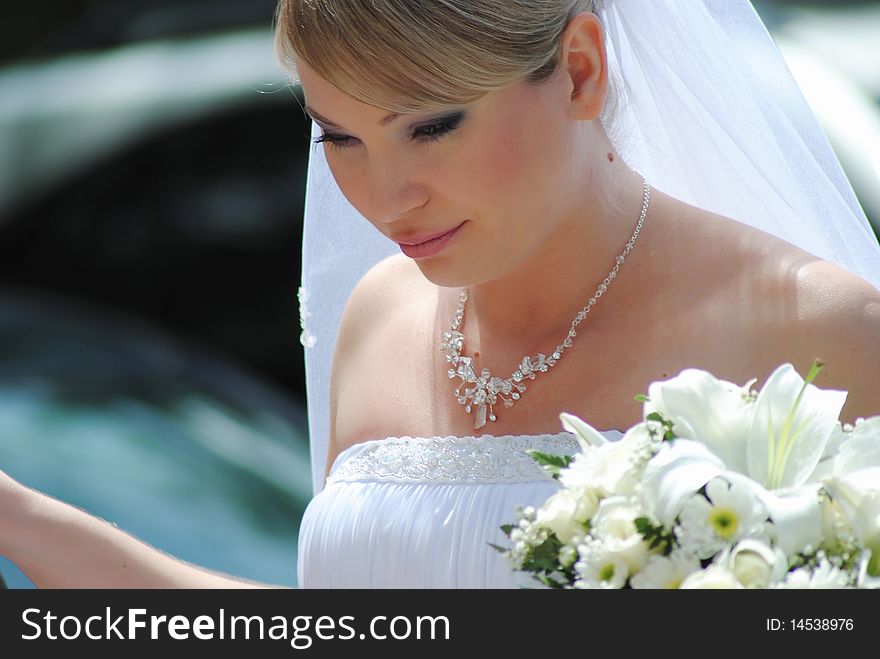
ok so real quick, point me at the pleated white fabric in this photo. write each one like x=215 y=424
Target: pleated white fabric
x=415 y=512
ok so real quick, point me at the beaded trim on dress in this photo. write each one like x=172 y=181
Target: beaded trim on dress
x=483 y=459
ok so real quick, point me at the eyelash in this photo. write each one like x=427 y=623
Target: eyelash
x=442 y=128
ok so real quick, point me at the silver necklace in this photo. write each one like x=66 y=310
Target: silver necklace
x=482 y=392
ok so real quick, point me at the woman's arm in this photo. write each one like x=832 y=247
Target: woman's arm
x=59 y=546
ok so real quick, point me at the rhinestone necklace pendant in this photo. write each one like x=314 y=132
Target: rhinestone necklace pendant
x=481 y=393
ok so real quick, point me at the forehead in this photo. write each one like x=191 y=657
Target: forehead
x=332 y=103
x=324 y=97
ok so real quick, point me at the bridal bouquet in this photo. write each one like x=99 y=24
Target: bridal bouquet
x=719 y=487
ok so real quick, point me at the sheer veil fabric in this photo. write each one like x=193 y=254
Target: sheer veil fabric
x=709 y=114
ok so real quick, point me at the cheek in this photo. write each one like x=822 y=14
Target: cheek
x=353 y=182
x=510 y=175
x=497 y=168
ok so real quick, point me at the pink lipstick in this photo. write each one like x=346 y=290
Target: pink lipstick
x=429 y=246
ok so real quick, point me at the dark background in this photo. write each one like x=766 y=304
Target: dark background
x=192 y=225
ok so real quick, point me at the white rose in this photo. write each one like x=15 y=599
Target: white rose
x=565 y=512
x=756 y=565
x=619 y=465
x=614 y=524
x=713 y=577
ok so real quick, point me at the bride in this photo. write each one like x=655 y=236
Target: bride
x=583 y=197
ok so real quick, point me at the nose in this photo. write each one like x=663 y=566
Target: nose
x=395 y=190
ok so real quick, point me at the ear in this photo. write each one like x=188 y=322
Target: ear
x=583 y=59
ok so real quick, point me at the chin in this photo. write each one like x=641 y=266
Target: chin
x=450 y=272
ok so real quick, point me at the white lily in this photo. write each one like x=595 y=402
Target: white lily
x=861 y=449
x=789 y=426
x=673 y=476
x=703 y=408
x=586 y=434
x=792 y=424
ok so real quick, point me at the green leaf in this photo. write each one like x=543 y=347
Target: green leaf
x=668 y=435
x=549 y=581
x=507 y=528
x=498 y=548
x=552 y=463
x=642 y=398
x=545 y=557
x=655 y=535
x=548 y=459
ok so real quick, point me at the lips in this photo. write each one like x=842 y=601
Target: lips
x=429 y=244
x=425 y=237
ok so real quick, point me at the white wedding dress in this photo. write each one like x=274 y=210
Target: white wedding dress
x=414 y=512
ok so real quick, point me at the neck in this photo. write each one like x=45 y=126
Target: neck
x=531 y=308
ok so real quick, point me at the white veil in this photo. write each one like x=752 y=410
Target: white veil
x=710 y=115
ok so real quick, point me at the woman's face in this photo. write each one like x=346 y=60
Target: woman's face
x=499 y=172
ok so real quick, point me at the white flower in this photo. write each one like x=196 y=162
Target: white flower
x=706 y=409
x=586 y=434
x=565 y=512
x=858 y=494
x=666 y=571
x=673 y=476
x=863 y=579
x=828 y=465
x=835 y=525
x=792 y=425
x=599 y=568
x=860 y=449
x=613 y=467
x=568 y=555
x=756 y=564
x=714 y=576
x=723 y=516
x=525 y=535
x=824 y=575
x=614 y=525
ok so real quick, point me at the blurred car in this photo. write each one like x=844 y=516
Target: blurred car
x=180 y=448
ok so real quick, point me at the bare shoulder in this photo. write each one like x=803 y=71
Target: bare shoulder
x=779 y=303
x=377 y=300
x=809 y=309
x=839 y=313
x=380 y=287
x=380 y=294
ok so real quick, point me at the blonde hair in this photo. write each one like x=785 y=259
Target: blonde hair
x=411 y=56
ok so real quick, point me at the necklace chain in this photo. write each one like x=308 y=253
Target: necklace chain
x=482 y=392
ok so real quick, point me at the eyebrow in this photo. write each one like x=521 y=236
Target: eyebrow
x=387 y=119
